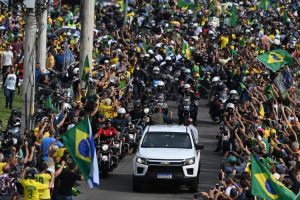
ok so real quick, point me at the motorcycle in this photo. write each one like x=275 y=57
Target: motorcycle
x=223 y=138
x=106 y=159
x=132 y=136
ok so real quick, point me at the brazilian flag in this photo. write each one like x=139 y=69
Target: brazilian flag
x=86 y=68
x=264 y=184
x=80 y=143
x=269 y=93
x=189 y=4
x=186 y=50
x=276 y=59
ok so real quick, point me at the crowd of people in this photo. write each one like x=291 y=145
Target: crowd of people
x=212 y=44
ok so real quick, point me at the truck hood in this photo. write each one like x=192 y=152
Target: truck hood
x=166 y=153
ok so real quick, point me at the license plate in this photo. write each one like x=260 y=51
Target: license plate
x=164 y=176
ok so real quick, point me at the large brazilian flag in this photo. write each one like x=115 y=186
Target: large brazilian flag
x=276 y=59
x=80 y=144
x=264 y=184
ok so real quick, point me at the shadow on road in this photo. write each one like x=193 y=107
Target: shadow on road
x=123 y=183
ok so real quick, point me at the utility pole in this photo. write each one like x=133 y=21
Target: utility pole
x=87 y=17
x=28 y=88
x=42 y=31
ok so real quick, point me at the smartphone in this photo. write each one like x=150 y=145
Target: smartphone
x=217 y=186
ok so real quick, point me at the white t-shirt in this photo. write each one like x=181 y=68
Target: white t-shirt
x=10 y=81
x=7 y=57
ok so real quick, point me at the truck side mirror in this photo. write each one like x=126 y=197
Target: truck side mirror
x=199 y=147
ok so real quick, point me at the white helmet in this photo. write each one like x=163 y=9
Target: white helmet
x=215 y=79
x=232 y=92
x=156 y=70
x=187 y=71
x=161 y=83
x=150 y=51
x=121 y=110
x=230 y=105
x=76 y=70
x=187 y=86
x=67 y=106
x=168 y=58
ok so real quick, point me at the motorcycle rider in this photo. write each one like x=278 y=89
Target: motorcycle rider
x=121 y=121
x=187 y=96
x=138 y=82
x=107 y=132
x=147 y=97
x=155 y=76
x=233 y=98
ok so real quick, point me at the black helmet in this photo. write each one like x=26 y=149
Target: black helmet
x=31 y=173
x=221 y=86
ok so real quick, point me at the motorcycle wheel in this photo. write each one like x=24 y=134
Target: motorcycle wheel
x=104 y=172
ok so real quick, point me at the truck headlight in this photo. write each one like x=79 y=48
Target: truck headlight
x=141 y=160
x=189 y=161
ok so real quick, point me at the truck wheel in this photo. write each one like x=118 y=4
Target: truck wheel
x=136 y=186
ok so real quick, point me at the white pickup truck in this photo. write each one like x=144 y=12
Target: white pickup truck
x=167 y=154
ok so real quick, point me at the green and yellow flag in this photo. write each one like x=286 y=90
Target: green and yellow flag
x=80 y=144
x=264 y=184
x=86 y=68
x=186 y=50
x=269 y=93
x=265 y=4
x=276 y=59
x=233 y=16
x=187 y=4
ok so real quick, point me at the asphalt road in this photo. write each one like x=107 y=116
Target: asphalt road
x=119 y=183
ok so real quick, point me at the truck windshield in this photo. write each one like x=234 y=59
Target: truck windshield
x=167 y=140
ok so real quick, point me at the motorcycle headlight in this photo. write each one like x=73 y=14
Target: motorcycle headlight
x=146 y=110
x=104 y=147
x=189 y=161
x=131 y=136
x=141 y=160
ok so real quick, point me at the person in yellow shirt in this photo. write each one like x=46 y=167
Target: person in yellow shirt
x=31 y=186
x=50 y=62
x=106 y=107
x=45 y=177
x=224 y=41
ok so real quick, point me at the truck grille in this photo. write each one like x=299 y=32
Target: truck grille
x=165 y=169
x=160 y=162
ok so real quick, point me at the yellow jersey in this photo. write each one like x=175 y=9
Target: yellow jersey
x=44 y=179
x=31 y=189
x=2 y=164
x=108 y=111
